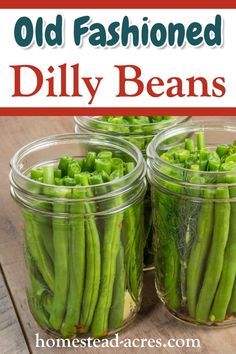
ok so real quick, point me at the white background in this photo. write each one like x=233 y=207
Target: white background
x=165 y=62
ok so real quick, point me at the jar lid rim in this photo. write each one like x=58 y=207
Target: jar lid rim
x=155 y=161
x=139 y=170
x=79 y=120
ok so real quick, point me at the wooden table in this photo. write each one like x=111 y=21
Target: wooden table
x=17 y=327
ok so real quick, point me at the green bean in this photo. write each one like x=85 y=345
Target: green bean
x=133 y=245
x=188 y=213
x=35 y=247
x=134 y=242
x=57 y=173
x=43 y=225
x=76 y=266
x=222 y=150
x=200 y=141
x=93 y=266
x=63 y=164
x=199 y=251
x=216 y=256
x=48 y=174
x=38 y=293
x=111 y=240
x=39 y=228
x=232 y=304
x=68 y=181
x=148 y=250
x=93 y=269
x=103 y=165
x=73 y=168
x=104 y=154
x=136 y=264
x=225 y=287
x=118 y=296
x=110 y=248
x=189 y=144
x=36 y=173
x=90 y=161
x=47 y=303
x=36 y=300
x=167 y=255
x=170 y=217
x=61 y=235
x=213 y=165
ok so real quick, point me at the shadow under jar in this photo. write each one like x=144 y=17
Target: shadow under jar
x=83 y=243
x=139 y=130
x=193 y=186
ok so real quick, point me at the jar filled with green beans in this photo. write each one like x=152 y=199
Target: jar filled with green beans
x=139 y=130
x=193 y=186
x=81 y=198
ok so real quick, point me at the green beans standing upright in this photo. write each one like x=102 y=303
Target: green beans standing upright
x=193 y=188
x=76 y=242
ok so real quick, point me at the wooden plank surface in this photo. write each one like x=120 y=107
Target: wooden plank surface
x=11 y=335
x=152 y=322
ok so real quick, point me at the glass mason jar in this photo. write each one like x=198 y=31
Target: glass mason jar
x=195 y=228
x=83 y=244
x=140 y=135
